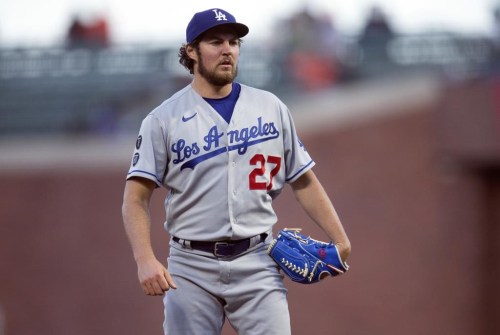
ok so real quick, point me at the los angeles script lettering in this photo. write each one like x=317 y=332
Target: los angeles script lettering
x=237 y=140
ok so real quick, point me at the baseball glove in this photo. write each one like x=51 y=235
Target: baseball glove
x=303 y=259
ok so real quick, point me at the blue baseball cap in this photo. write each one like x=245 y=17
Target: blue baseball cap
x=210 y=18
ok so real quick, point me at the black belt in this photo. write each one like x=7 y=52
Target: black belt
x=222 y=248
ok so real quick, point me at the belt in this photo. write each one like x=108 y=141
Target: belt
x=222 y=248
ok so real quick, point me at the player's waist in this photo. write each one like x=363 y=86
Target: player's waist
x=223 y=249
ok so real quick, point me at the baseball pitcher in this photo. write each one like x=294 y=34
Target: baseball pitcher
x=224 y=151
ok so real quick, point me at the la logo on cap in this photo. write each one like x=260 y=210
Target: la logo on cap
x=220 y=16
x=210 y=18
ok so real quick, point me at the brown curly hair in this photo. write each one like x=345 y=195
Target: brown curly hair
x=184 y=58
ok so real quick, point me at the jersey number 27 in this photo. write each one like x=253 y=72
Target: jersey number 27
x=260 y=161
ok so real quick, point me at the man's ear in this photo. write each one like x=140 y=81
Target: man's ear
x=191 y=52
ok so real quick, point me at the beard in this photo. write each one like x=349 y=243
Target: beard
x=214 y=78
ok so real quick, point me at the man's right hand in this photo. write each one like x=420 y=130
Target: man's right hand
x=154 y=277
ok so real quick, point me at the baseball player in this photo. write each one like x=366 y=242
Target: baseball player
x=224 y=151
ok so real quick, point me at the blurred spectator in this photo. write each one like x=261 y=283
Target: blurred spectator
x=88 y=34
x=496 y=27
x=328 y=36
x=99 y=32
x=375 y=38
x=301 y=27
x=309 y=47
x=495 y=38
x=76 y=33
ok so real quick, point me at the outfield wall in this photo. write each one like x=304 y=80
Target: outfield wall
x=423 y=216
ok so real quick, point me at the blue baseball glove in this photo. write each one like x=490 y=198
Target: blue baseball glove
x=303 y=259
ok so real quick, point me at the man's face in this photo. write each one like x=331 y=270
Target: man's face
x=217 y=57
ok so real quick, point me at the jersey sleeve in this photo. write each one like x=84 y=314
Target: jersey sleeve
x=297 y=159
x=150 y=155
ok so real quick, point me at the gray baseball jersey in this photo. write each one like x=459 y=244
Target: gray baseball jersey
x=221 y=177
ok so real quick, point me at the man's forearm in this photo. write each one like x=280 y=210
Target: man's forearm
x=137 y=224
x=316 y=203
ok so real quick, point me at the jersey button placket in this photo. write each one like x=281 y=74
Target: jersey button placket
x=234 y=216
x=233 y=174
x=232 y=182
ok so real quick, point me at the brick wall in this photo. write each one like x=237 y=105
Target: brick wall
x=423 y=227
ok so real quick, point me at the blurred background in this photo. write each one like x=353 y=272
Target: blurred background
x=397 y=102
